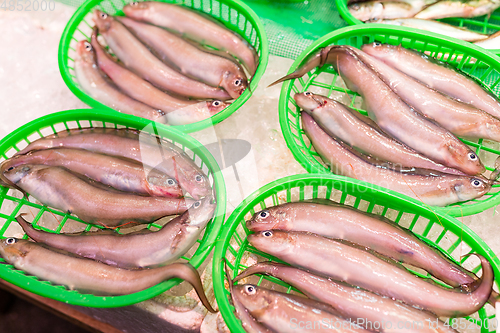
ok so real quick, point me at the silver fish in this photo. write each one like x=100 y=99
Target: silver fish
x=360 y=268
x=93 y=82
x=289 y=313
x=141 y=147
x=140 y=60
x=427 y=186
x=189 y=59
x=369 y=310
x=459 y=118
x=122 y=174
x=133 y=250
x=436 y=75
x=194 y=26
x=58 y=188
x=361 y=132
x=367 y=230
x=87 y=275
x=377 y=10
x=143 y=91
x=451 y=8
x=437 y=27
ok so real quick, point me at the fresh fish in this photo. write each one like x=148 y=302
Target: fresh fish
x=453 y=8
x=143 y=91
x=459 y=118
x=189 y=59
x=247 y=321
x=133 y=250
x=95 y=84
x=360 y=268
x=194 y=26
x=491 y=43
x=87 y=275
x=140 y=60
x=286 y=313
x=437 y=27
x=122 y=174
x=391 y=114
x=367 y=309
x=436 y=75
x=361 y=132
x=141 y=147
x=377 y=10
x=367 y=230
x=58 y=188
x=427 y=186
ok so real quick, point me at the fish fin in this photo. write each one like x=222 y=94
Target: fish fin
x=188 y=273
x=322 y=201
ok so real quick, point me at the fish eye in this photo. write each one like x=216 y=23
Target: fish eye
x=10 y=169
x=135 y=3
x=377 y=44
x=197 y=204
x=264 y=214
x=104 y=16
x=88 y=47
x=198 y=178
x=476 y=182
x=250 y=290
x=170 y=182
x=10 y=241
x=267 y=233
x=472 y=156
x=238 y=82
x=216 y=103
x=308 y=93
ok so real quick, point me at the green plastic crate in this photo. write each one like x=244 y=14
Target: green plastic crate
x=444 y=232
x=485 y=67
x=234 y=14
x=486 y=24
x=59 y=121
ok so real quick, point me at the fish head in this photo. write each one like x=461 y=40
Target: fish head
x=309 y=102
x=102 y=20
x=201 y=211
x=216 y=106
x=158 y=184
x=234 y=83
x=379 y=50
x=137 y=10
x=468 y=188
x=16 y=173
x=85 y=51
x=12 y=249
x=195 y=182
x=267 y=219
x=278 y=241
x=253 y=298
x=466 y=159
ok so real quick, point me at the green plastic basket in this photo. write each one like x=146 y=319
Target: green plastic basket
x=234 y=14
x=486 y=24
x=59 y=121
x=445 y=232
x=486 y=68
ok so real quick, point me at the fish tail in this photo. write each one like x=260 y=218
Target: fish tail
x=260 y=268
x=318 y=59
x=188 y=273
x=485 y=287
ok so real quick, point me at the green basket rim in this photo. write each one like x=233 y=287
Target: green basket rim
x=351 y=20
x=361 y=30
x=221 y=248
x=61 y=293
x=87 y=6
